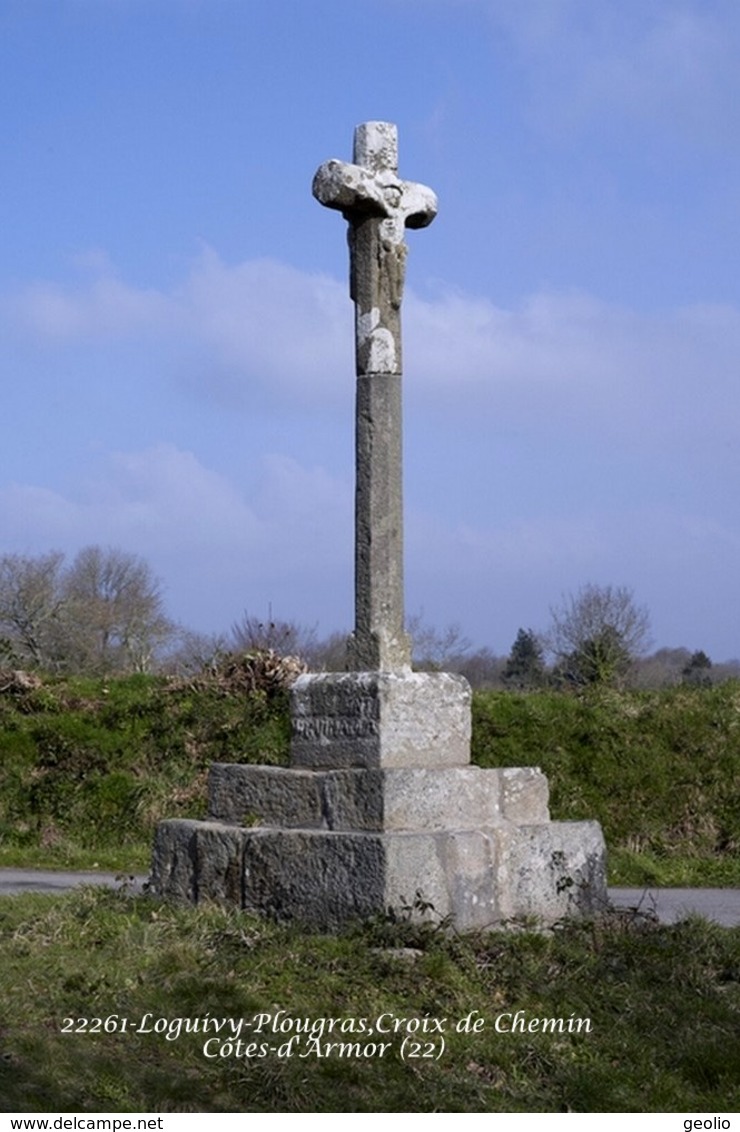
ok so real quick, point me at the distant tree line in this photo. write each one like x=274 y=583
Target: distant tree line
x=103 y=614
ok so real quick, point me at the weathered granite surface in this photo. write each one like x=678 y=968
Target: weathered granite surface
x=480 y=878
x=381 y=719
x=411 y=799
x=552 y=870
x=324 y=845
x=378 y=207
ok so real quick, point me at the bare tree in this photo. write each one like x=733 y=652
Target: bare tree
x=436 y=650
x=104 y=613
x=661 y=669
x=30 y=607
x=286 y=638
x=194 y=652
x=114 y=613
x=482 y=669
x=329 y=654
x=597 y=634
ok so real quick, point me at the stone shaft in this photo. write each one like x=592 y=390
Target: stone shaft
x=379 y=641
x=379 y=207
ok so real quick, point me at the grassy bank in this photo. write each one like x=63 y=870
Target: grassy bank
x=88 y=767
x=659 y=770
x=661 y=1003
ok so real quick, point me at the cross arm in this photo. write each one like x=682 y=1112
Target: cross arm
x=350 y=188
x=419 y=204
x=353 y=189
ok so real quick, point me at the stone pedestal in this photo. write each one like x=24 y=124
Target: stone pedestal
x=380 y=804
x=380 y=719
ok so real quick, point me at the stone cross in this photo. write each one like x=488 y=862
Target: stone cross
x=379 y=207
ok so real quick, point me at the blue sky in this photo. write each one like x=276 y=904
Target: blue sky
x=177 y=350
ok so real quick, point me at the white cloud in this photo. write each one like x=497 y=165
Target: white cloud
x=288 y=543
x=156 y=497
x=270 y=320
x=217 y=549
x=562 y=359
x=263 y=320
x=571 y=363
x=106 y=308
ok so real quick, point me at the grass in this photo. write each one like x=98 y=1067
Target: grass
x=662 y=1004
x=88 y=767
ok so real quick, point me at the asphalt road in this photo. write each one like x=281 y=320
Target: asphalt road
x=669 y=904
x=13 y=881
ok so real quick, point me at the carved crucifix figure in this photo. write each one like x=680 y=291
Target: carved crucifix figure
x=378 y=207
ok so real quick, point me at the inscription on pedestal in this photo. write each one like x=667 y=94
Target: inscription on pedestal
x=380 y=719
x=327 y=728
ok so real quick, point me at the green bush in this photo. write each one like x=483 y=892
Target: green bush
x=89 y=766
x=659 y=770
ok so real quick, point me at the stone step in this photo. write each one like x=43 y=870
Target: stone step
x=479 y=879
x=394 y=799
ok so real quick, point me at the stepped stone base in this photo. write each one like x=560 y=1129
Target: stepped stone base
x=480 y=878
x=397 y=799
x=379 y=806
